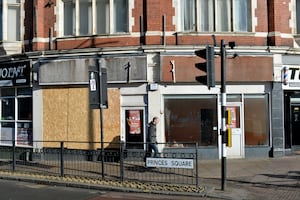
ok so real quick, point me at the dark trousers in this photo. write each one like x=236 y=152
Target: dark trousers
x=153 y=146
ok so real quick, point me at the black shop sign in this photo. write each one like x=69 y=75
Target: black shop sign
x=15 y=73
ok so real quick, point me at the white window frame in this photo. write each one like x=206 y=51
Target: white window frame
x=213 y=26
x=93 y=31
x=297 y=17
x=5 y=22
x=16 y=97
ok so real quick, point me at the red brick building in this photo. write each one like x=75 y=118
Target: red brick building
x=148 y=49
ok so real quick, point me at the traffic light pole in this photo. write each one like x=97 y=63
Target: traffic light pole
x=101 y=120
x=209 y=80
x=223 y=114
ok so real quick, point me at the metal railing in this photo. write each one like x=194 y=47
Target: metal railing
x=84 y=159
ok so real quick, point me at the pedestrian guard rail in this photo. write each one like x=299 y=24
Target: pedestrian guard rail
x=118 y=161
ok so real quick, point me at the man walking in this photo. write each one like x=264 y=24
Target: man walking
x=152 y=142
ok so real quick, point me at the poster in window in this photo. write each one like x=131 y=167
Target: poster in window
x=134 y=121
x=233 y=116
x=24 y=134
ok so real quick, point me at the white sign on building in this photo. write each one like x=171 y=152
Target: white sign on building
x=291 y=76
x=170 y=163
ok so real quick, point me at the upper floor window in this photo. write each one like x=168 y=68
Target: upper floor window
x=215 y=15
x=83 y=17
x=10 y=12
x=13 y=20
x=298 y=16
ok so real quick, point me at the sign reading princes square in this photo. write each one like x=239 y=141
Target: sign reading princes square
x=170 y=163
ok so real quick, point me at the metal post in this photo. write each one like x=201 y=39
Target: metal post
x=14 y=155
x=223 y=110
x=122 y=156
x=102 y=143
x=197 y=170
x=62 y=159
x=164 y=30
x=50 y=38
x=101 y=123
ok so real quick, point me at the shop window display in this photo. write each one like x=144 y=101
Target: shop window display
x=190 y=121
x=16 y=116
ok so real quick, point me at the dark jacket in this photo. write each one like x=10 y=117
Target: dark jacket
x=152 y=133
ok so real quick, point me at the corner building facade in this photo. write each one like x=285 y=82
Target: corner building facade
x=148 y=49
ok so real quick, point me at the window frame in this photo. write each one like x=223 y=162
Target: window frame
x=6 y=34
x=200 y=23
x=297 y=15
x=19 y=126
x=206 y=103
x=110 y=26
x=264 y=100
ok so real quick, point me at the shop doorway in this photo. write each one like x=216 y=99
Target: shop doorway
x=236 y=150
x=134 y=128
x=295 y=124
x=292 y=120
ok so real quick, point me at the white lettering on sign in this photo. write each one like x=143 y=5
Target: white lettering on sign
x=12 y=72
x=294 y=73
x=15 y=73
x=292 y=76
x=170 y=163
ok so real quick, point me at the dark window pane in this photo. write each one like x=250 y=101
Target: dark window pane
x=298 y=16
x=120 y=16
x=6 y=92
x=25 y=108
x=102 y=16
x=8 y=109
x=191 y=120
x=69 y=9
x=256 y=120
x=24 y=91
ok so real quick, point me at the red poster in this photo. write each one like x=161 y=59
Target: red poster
x=232 y=116
x=134 y=122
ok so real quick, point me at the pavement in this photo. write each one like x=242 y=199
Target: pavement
x=260 y=178
x=269 y=178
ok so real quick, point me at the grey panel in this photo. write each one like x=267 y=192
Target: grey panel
x=64 y=72
x=117 y=68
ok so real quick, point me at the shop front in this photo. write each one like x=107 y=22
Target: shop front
x=134 y=119
x=194 y=119
x=288 y=99
x=192 y=112
x=291 y=92
x=292 y=121
x=66 y=113
x=16 y=104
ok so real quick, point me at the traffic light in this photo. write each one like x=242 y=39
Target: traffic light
x=229 y=137
x=94 y=87
x=98 y=87
x=209 y=66
x=228 y=129
x=228 y=117
x=103 y=87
